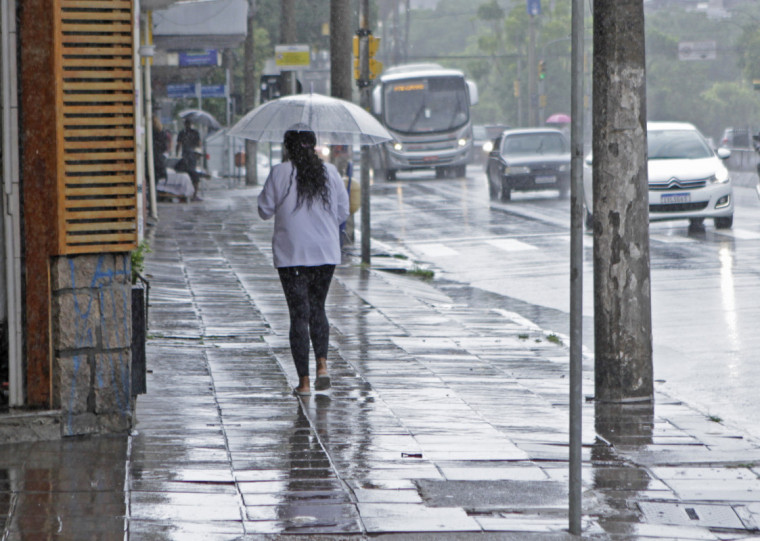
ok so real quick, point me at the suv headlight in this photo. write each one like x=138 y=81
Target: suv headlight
x=521 y=170
x=398 y=147
x=721 y=177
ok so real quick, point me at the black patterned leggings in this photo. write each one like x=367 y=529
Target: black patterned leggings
x=306 y=290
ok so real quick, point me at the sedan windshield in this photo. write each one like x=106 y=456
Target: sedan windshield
x=426 y=104
x=676 y=145
x=529 y=144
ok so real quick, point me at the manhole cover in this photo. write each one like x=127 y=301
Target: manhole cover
x=708 y=516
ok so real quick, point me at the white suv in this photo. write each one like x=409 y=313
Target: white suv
x=687 y=179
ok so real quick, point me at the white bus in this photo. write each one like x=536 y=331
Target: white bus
x=427 y=110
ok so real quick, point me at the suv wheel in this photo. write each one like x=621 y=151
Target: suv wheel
x=725 y=222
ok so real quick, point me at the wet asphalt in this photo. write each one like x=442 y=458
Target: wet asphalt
x=445 y=420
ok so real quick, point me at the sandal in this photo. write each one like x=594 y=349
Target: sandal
x=322 y=383
x=323 y=380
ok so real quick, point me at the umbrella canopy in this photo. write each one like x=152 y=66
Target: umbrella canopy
x=559 y=118
x=333 y=120
x=200 y=117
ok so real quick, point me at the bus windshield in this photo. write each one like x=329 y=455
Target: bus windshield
x=426 y=104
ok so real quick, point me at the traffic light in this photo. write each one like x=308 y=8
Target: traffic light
x=375 y=67
x=356 y=58
x=541 y=70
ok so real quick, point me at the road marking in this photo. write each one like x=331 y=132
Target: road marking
x=511 y=245
x=435 y=250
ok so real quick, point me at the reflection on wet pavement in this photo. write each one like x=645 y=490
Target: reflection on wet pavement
x=444 y=415
x=423 y=390
x=70 y=489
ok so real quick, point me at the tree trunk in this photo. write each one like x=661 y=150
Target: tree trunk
x=622 y=303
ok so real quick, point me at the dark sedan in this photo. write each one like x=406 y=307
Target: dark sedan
x=529 y=159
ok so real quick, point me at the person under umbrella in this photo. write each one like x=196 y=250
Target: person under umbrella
x=308 y=200
x=188 y=144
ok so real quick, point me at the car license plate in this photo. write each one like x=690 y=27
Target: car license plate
x=546 y=180
x=675 y=198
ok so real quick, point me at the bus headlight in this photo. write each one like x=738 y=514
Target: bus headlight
x=398 y=147
x=462 y=142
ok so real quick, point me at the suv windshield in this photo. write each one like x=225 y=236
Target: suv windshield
x=534 y=144
x=676 y=145
x=426 y=104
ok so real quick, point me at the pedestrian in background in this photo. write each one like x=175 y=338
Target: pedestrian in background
x=308 y=200
x=189 y=147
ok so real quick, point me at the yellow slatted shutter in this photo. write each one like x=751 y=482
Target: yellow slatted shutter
x=97 y=193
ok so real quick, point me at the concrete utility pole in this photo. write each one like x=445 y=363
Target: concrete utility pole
x=249 y=99
x=340 y=49
x=622 y=302
x=287 y=37
x=532 y=87
x=365 y=89
x=341 y=75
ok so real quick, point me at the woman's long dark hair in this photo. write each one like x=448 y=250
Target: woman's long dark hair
x=311 y=177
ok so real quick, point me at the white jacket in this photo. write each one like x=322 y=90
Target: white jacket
x=306 y=236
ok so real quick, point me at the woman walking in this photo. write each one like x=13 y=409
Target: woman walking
x=309 y=202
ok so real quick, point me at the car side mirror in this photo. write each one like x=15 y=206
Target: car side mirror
x=723 y=153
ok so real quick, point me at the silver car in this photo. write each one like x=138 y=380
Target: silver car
x=687 y=179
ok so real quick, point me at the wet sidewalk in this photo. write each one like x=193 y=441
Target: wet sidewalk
x=445 y=420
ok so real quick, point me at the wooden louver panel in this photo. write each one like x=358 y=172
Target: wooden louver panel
x=97 y=183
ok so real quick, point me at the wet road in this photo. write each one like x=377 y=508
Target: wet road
x=705 y=285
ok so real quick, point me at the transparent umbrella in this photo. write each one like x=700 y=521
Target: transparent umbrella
x=333 y=120
x=201 y=118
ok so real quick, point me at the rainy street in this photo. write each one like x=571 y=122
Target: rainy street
x=448 y=412
x=515 y=255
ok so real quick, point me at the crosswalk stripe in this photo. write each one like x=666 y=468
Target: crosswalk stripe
x=511 y=245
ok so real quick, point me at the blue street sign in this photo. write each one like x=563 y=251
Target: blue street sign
x=213 y=91
x=181 y=90
x=198 y=58
x=534 y=7
x=188 y=90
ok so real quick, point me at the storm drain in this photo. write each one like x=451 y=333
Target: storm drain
x=708 y=516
